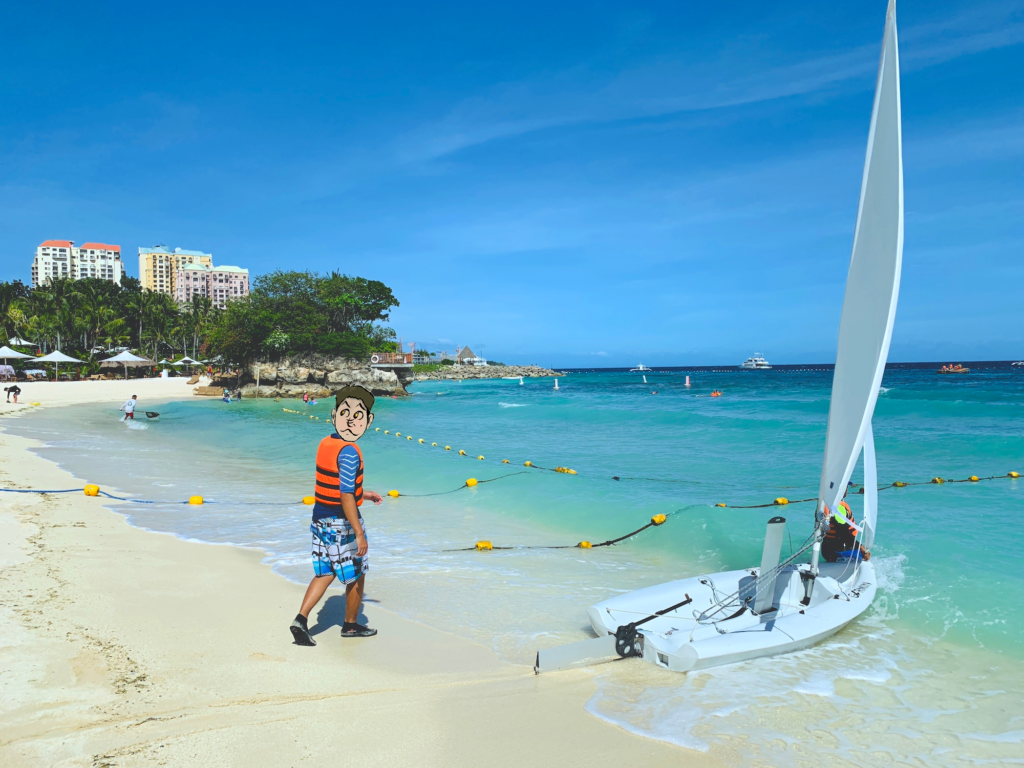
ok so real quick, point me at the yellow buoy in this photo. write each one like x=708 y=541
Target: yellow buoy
x=196 y=500
x=570 y=471
x=973 y=478
x=421 y=440
x=462 y=452
x=309 y=500
x=505 y=461
x=781 y=501
x=434 y=444
x=719 y=505
x=899 y=484
x=484 y=546
x=447 y=447
x=1013 y=474
x=393 y=494
x=659 y=519
x=480 y=457
x=398 y=434
x=937 y=480
x=527 y=463
x=35 y=402
x=471 y=482
x=386 y=432
x=378 y=429
x=409 y=437
x=92 y=490
x=585 y=545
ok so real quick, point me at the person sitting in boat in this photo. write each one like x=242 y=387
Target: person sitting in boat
x=841 y=542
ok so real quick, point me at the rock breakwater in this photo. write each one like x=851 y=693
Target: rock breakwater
x=484 y=372
x=320 y=376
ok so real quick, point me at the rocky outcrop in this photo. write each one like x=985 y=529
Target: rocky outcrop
x=319 y=376
x=485 y=372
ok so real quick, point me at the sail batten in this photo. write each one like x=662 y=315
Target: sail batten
x=873 y=281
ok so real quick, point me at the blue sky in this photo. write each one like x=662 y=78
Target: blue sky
x=569 y=184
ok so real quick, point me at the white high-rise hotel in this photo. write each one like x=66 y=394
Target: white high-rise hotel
x=60 y=258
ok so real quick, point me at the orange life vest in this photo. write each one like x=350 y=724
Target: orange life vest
x=328 y=482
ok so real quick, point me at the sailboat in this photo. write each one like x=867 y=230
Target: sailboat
x=786 y=605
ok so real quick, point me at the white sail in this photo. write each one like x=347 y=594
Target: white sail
x=873 y=282
x=870 y=490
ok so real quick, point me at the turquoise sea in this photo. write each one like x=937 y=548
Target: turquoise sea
x=933 y=675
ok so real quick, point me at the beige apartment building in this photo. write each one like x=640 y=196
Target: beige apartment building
x=218 y=284
x=159 y=266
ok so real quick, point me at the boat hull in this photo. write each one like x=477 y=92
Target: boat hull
x=677 y=641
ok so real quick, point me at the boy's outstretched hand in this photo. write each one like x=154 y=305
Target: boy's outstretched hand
x=372 y=496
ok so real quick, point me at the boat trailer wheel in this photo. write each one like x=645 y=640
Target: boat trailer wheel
x=628 y=642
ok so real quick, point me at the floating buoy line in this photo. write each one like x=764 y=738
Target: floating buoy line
x=472 y=482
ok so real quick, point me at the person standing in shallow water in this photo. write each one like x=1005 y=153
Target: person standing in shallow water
x=339 y=537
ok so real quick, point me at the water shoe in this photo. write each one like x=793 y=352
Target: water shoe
x=301 y=632
x=357 y=630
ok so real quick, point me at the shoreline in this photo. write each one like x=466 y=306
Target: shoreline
x=198 y=660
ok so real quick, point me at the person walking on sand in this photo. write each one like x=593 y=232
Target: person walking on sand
x=15 y=390
x=129 y=408
x=339 y=536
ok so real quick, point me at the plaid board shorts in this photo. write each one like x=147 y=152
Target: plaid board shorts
x=334 y=550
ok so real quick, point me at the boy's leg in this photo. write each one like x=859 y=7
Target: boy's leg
x=354 y=599
x=314 y=592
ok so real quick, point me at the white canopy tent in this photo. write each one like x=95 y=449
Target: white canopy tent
x=125 y=358
x=57 y=357
x=6 y=352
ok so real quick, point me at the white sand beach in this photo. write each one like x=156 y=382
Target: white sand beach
x=121 y=647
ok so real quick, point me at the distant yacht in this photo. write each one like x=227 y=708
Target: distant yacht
x=640 y=368
x=1019 y=362
x=756 y=362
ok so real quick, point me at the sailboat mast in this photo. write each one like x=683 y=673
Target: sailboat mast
x=872 y=285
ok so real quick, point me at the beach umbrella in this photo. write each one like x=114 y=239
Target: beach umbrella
x=125 y=358
x=57 y=357
x=7 y=352
x=19 y=342
x=187 y=361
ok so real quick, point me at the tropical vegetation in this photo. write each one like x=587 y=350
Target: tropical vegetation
x=285 y=313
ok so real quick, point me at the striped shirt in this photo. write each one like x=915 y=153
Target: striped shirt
x=348 y=468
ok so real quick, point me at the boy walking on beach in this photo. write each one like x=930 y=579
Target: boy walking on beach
x=339 y=538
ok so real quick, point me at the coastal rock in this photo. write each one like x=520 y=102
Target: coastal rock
x=267 y=372
x=319 y=376
x=458 y=372
x=293 y=375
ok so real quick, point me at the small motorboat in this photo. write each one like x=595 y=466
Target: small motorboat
x=953 y=369
x=640 y=368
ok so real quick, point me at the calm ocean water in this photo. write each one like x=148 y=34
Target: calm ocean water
x=934 y=674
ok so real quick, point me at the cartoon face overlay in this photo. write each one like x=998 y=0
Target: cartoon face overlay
x=351 y=419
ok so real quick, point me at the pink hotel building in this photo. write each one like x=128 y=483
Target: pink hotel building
x=215 y=283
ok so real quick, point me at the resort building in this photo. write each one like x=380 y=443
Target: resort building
x=60 y=258
x=159 y=265
x=467 y=356
x=219 y=284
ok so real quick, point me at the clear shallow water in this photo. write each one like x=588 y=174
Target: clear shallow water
x=937 y=660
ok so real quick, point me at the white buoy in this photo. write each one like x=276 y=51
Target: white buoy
x=687 y=381
x=645 y=379
x=556 y=383
x=520 y=381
